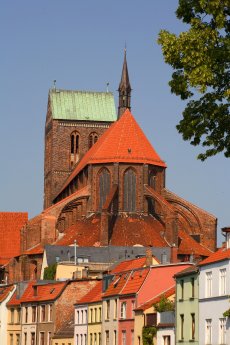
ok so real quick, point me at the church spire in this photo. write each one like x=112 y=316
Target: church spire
x=124 y=89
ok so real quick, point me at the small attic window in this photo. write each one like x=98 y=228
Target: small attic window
x=52 y=290
x=116 y=281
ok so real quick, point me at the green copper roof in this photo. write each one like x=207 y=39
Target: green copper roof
x=82 y=105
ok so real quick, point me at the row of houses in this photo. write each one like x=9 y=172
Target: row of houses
x=137 y=302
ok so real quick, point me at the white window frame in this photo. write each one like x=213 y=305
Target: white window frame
x=123 y=310
x=222 y=330
x=208 y=331
x=208 y=290
x=123 y=338
x=222 y=280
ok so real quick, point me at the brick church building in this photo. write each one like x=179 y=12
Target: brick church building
x=104 y=184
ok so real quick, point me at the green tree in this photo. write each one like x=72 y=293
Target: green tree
x=50 y=272
x=164 y=305
x=200 y=58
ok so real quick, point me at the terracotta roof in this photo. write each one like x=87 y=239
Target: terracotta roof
x=219 y=255
x=10 y=226
x=14 y=301
x=66 y=331
x=127 y=231
x=192 y=269
x=93 y=295
x=129 y=265
x=4 y=291
x=45 y=292
x=127 y=282
x=189 y=246
x=135 y=281
x=167 y=293
x=38 y=249
x=125 y=142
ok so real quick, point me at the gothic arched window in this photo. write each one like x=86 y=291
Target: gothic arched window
x=104 y=186
x=93 y=138
x=129 y=191
x=152 y=184
x=74 y=148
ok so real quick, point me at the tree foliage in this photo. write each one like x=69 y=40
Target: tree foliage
x=50 y=272
x=148 y=332
x=164 y=305
x=200 y=58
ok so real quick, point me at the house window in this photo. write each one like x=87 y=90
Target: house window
x=107 y=309
x=133 y=307
x=129 y=191
x=34 y=313
x=43 y=313
x=99 y=338
x=17 y=339
x=182 y=289
x=93 y=138
x=26 y=315
x=11 y=339
x=193 y=326
x=74 y=149
x=86 y=316
x=151 y=319
x=95 y=314
x=95 y=338
x=33 y=339
x=208 y=284
x=115 y=309
x=104 y=186
x=166 y=340
x=222 y=331
x=208 y=331
x=78 y=318
x=106 y=337
x=25 y=338
x=50 y=312
x=85 y=339
x=82 y=316
x=49 y=338
x=91 y=315
x=222 y=280
x=123 y=339
x=12 y=315
x=181 y=326
x=192 y=287
x=132 y=337
x=18 y=315
x=114 y=337
x=123 y=310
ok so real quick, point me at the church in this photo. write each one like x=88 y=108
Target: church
x=104 y=185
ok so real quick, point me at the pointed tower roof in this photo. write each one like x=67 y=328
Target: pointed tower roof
x=124 y=83
x=123 y=142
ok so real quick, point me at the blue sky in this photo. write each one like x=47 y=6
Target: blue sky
x=80 y=44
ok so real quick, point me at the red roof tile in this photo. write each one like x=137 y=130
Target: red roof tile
x=127 y=231
x=125 y=142
x=10 y=226
x=135 y=281
x=116 y=286
x=189 y=246
x=93 y=295
x=219 y=255
x=129 y=265
x=38 y=249
x=167 y=293
x=4 y=292
x=14 y=301
x=45 y=292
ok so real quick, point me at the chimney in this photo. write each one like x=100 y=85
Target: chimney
x=149 y=257
x=174 y=251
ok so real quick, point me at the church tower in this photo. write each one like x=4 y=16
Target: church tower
x=124 y=89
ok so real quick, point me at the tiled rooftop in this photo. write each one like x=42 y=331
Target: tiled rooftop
x=219 y=255
x=189 y=246
x=4 y=292
x=93 y=295
x=155 y=299
x=45 y=292
x=10 y=226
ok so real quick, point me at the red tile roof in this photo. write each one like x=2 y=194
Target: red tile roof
x=4 y=292
x=124 y=141
x=129 y=265
x=167 y=293
x=219 y=255
x=127 y=282
x=38 y=249
x=189 y=246
x=94 y=295
x=14 y=301
x=135 y=281
x=10 y=226
x=127 y=231
x=45 y=292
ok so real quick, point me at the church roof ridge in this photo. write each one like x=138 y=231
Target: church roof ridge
x=123 y=142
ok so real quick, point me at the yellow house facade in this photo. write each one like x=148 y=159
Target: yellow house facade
x=94 y=323
x=14 y=329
